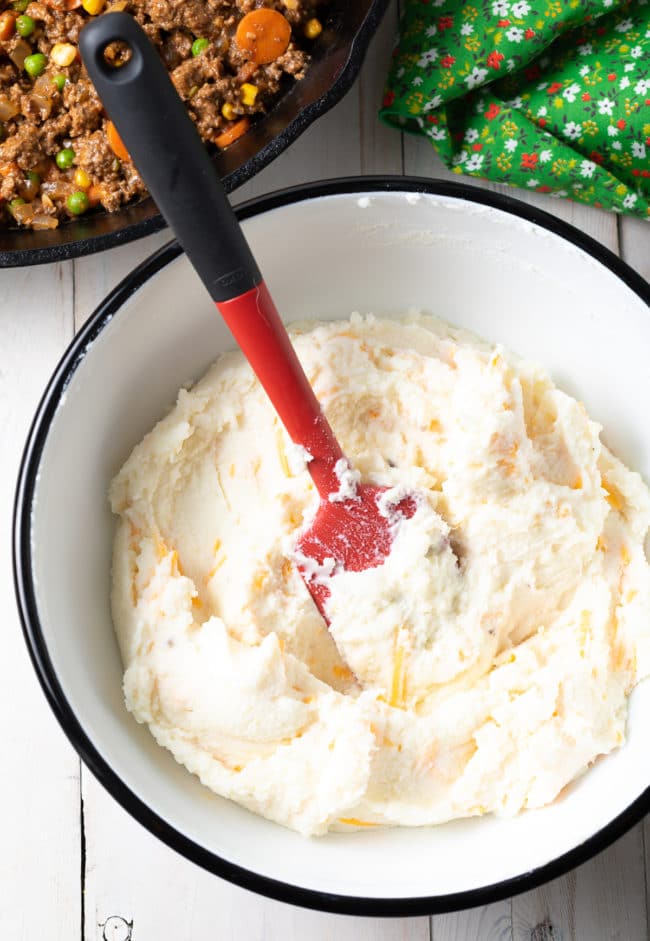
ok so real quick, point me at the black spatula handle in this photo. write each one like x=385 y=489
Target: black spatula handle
x=159 y=134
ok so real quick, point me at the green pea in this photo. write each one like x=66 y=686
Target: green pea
x=20 y=5
x=15 y=203
x=34 y=177
x=59 y=81
x=35 y=64
x=65 y=158
x=25 y=25
x=199 y=46
x=78 y=203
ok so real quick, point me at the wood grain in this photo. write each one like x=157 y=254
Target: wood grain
x=39 y=785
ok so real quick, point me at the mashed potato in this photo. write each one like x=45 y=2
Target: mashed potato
x=480 y=669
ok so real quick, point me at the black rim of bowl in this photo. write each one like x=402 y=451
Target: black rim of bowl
x=28 y=609
x=90 y=244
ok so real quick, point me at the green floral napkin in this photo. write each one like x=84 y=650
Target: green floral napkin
x=550 y=95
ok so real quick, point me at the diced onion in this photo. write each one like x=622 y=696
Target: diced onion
x=8 y=109
x=19 y=53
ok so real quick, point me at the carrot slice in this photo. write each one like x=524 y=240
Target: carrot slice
x=7 y=24
x=62 y=5
x=115 y=142
x=95 y=194
x=232 y=133
x=263 y=33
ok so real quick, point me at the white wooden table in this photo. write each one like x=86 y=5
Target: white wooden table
x=72 y=863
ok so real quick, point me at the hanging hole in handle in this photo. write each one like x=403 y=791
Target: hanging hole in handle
x=116 y=54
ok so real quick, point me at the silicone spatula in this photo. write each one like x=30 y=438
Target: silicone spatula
x=353 y=532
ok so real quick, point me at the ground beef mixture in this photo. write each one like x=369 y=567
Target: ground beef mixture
x=60 y=156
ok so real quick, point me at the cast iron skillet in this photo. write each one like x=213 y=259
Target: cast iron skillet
x=336 y=60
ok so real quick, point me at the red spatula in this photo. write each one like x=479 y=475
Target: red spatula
x=353 y=531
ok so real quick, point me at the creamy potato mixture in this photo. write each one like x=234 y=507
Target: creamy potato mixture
x=480 y=669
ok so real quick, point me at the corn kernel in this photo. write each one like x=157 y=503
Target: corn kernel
x=93 y=6
x=248 y=93
x=228 y=112
x=313 y=28
x=81 y=178
x=291 y=4
x=63 y=54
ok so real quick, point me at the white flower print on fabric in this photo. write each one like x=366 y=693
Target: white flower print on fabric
x=511 y=65
x=629 y=67
x=624 y=83
x=584 y=70
x=471 y=135
x=638 y=150
x=511 y=145
x=476 y=77
x=542 y=112
x=642 y=86
x=570 y=93
x=612 y=130
x=460 y=158
x=533 y=183
x=608 y=3
x=418 y=80
x=474 y=163
x=520 y=9
x=573 y=130
x=585 y=49
x=545 y=156
x=624 y=26
x=431 y=31
x=587 y=168
x=630 y=200
x=617 y=145
x=514 y=34
x=515 y=102
x=500 y=8
x=432 y=103
x=605 y=106
x=427 y=58
x=437 y=133
x=466 y=29
x=636 y=52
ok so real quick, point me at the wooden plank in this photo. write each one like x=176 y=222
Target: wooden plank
x=635 y=244
x=39 y=787
x=96 y=275
x=603 y=900
x=380 y=146
x=488 y=923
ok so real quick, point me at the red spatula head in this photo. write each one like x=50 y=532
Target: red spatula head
x=353 y=535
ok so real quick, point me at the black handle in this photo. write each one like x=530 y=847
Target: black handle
x=165 y=146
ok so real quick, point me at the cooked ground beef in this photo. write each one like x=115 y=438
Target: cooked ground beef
x=59 y=154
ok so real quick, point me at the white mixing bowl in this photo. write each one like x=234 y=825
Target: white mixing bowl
x=493 y=265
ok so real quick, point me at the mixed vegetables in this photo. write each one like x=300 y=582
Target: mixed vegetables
x=60 y=155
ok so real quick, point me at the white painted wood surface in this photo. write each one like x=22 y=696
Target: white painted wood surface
x=72 y=863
